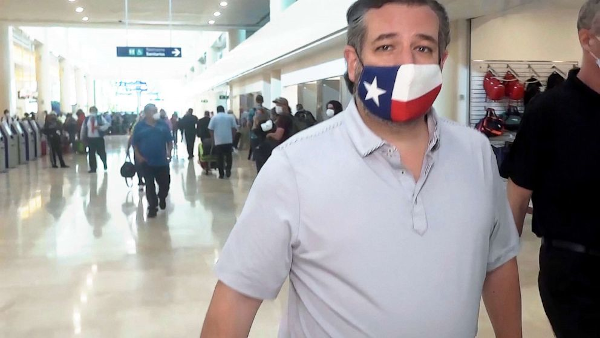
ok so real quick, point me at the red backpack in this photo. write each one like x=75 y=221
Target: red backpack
x=491 y=125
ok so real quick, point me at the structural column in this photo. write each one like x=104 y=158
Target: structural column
x=42 y=75
x=278 y=6
x=80 y=89
x=67 y=86
x=236 y=37
x=91 y=93
x=8 y=97
x=275 y=84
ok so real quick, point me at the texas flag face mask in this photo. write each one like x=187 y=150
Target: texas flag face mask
x=400 y=93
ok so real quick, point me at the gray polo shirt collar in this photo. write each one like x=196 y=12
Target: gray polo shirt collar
x=367 y=142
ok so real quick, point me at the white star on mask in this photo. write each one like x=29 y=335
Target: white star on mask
x=373 y=91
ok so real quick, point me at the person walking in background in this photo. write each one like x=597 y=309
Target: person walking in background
x=256 y=114
x=202 y=127
x=153 y=144
x=137 y=163
x=175 y=127
x=223 y=129
x=188 y=124
x=80 y=119
x=333 y=108
x=236 y=138
x=165 y=118
x=244 y=128
x=92 y=133
x=70 y=127
x=53 y=130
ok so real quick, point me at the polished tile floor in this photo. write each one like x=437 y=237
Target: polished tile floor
x=79 y=258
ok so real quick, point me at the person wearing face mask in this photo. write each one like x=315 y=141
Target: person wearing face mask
x=92 y=133
x=153 y=144
x=557 y=170
x=165 y=118
x=333 y=108
x=417 y=226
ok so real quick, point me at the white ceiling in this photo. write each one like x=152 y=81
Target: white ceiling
x=155 y=13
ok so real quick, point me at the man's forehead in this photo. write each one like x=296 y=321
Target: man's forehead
x=402 y=19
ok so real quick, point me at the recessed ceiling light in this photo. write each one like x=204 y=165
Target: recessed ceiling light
x=85 y=18
x=223 y=3
x=217 y=13
x=211 y=22
x=72 y=0
x=79 y=9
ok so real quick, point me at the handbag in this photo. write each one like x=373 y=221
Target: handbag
x=128 y=170
x=491 y=125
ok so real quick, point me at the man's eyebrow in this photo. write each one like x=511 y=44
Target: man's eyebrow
x=385 y=36
x=427 y=38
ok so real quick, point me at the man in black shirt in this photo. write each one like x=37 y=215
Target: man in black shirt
x=202 y=128
x=555 y=161
x=188 y=125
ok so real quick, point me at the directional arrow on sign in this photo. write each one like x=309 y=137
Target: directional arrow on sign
x=176 y=52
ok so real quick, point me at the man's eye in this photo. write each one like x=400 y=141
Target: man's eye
x=424 y=49
x=385 y=48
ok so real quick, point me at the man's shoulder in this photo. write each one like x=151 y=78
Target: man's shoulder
x=318 y=140
x=459 y=135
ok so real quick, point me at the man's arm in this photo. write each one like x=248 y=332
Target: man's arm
x=170 y=149
x=230 y=314
x=502 y=298
x=212 y=136
x=518 y=198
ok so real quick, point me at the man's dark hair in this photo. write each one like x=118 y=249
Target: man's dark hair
x=299 y=107
x=6 y=111
x=220 y=109
x=357 y=31
x=260 y=99
x=206 y=113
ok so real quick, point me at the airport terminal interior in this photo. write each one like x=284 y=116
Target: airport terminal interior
x=80 y=255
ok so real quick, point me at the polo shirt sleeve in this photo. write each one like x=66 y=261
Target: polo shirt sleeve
x=167 y=134
x=504 y=238
x=523 y=161
x=257 y=257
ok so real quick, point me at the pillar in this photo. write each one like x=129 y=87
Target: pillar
x=42 y=75
x=275 y=84
x=8 y=94
x=67 y=86
x=278 y=6
x=80 y=89
x=91 y=93
x=453 y=101
x=236 y=37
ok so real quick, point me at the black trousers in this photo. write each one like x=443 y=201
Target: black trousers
x=175 y=136
x=190 y=139
x=569 y=284
x=56 y=151
x=162 y=177
x=224 y=158
x=97 y=146
x=254 y=142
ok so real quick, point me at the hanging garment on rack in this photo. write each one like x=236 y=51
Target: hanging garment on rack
x=555 y=80
x=534 y=88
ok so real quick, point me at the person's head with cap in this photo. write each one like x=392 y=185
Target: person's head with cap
x=395 y=52
x=151 y=114
x=282 y=106
x=588 y=26
x=220 y=109
x=299 y=107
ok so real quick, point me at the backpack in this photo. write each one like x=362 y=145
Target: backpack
x=512 y=118
x=302 y=121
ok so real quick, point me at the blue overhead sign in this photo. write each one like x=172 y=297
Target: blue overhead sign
x=149 y=52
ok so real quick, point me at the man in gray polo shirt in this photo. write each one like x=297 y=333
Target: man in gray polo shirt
x=397 y=226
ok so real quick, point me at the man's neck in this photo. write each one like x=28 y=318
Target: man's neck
x=590 y=75
x=151 y=122
x=400 y=135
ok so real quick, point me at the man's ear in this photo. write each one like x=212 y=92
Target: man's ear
x=352 y=62
x=443 y=59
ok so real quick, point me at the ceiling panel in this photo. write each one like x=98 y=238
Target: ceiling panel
x=145 y=12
